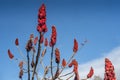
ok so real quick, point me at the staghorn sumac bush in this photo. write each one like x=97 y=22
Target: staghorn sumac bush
x=36 y=49
x=32 y=63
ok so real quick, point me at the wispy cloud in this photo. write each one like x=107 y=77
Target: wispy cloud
x=98 y=64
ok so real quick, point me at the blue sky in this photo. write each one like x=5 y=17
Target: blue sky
x=94 y=20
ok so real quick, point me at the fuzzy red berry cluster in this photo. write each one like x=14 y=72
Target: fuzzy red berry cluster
x=90 y=74
x=42 y=19
x=75 y=69
x=53 y=36
x=109 y=70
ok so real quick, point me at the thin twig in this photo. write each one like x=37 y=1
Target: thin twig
x=41 y=62
x=57 y=72
x=52 y=62
x=70 y=77
x=67 y=74
x=17 y=60
x=21 y=54
x=37 y=57
x=45 y=72
x=28 y=65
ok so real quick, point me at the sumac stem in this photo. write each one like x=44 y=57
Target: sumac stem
x=28 y=65
x=37 y=57
x=52 y=62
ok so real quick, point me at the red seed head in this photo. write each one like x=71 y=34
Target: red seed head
x=75 y=64
x=109 y=70
x=57 y=55
x=64 y=63
x=39 y=28
x=21 y=64
x=53 y=36
x=35 y=40
x=91 y=72
x=42 y=19
x=75 y=47
x=29 y=45
x=11 y=56
x=21 y=73
x=44 y=28
x=16 y=42
x=42 y=39
x=46 y=42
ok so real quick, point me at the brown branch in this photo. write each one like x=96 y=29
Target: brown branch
x=70 y=77
x=41 y=60
x=28 y=65
x=45 y=72
x=52 y=62
x=37 y=57
x=57 y=72
x=66 y=74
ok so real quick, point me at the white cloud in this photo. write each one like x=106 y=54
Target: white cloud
x=98 y=65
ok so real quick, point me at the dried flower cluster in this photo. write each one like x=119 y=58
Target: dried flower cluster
x=29 y=45
x=35 y=40
x=53 y=36
x=75 y=48
x=64 y=63
x=11 y=56
x=46 y=42
x=57 y=55
x=42 y=19
x=21 y=69
x=75 y=69
x=90 y=74
x=16 y=42
x=109 y=70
